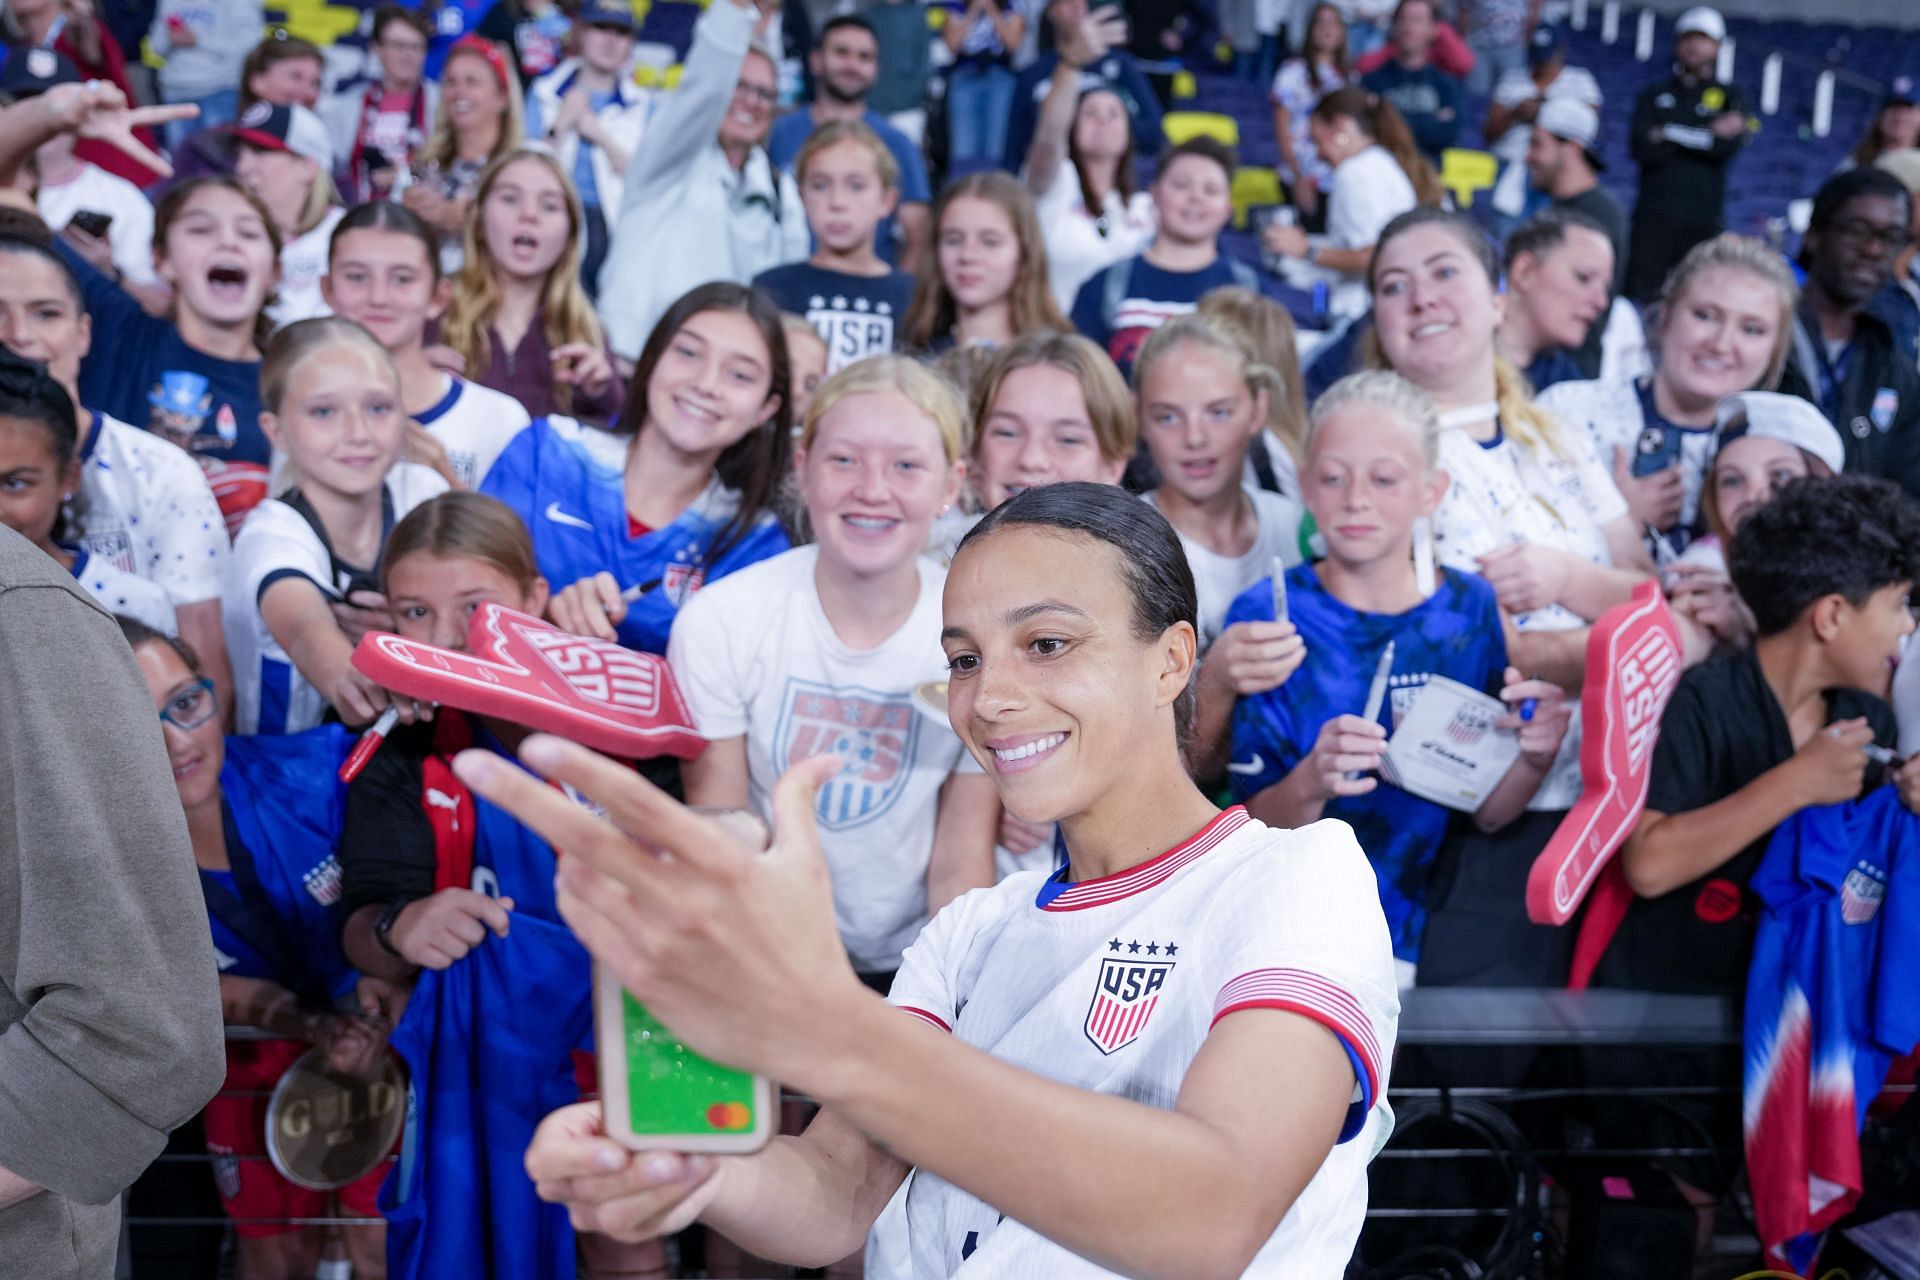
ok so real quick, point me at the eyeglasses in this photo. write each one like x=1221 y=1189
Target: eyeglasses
x=1892 y=239
x=192 y=706
x=759 y=93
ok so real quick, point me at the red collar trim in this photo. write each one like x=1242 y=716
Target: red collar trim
x=1124 y=884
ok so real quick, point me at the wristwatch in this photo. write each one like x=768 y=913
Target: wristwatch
x=383 y=927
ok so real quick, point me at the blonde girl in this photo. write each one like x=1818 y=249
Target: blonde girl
x=1274 y=461
x=818 y=650
x=1301 y=748
x=1724 y=326
x=384 y=274
x=282 y=155
x=519 y=317
x=990 y=282
x=332 y=405
x=479 y=120
x=1202 y=393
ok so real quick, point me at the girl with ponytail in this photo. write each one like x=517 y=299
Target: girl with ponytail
x=1378 y=174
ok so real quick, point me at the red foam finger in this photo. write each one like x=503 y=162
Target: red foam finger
x=525 y=671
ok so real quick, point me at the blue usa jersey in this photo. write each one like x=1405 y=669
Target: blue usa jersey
x=274 y=915
x=568 y=482
x=1831 y=1001
x=1453 y=633
x=488 y=1044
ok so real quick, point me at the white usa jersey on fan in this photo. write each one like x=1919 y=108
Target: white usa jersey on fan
x=1112 y=985
x=145 y=508
x=475 y=423
x=269 y=693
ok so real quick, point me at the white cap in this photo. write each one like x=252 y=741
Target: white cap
x=1788 y=419
x=1574 y=121
x=1703 y=20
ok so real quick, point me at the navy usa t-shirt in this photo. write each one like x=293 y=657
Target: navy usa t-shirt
x=1151 y=298
x=1454 y=633
x=856 y=316
x=142 y=372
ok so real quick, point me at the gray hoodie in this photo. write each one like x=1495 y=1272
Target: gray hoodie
x=109 y=1004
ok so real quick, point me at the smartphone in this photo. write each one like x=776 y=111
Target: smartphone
x=1657 y=449
x=655 y=1093
x=92 y=221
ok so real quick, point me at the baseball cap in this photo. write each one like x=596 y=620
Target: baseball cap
x=34 y=69
x=1702 y=20
x=1573 y=121
x=1901 y=93
x=607 y=13
x=1903 y=164
x=291 y=128
x=1547 y=43
x=1788 y=419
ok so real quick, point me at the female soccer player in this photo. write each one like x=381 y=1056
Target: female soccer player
x=1063 y=1122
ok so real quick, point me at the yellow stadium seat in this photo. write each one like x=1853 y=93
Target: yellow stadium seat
x=646 y=76
x=1464 y=172
x=1179 y=126
x=936 y=19
x=672 y=80
x=1185 y=86
x=1253 y=187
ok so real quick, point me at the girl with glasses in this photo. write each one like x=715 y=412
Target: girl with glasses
x=263 y=815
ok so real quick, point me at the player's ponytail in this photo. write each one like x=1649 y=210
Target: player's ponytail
x=1153 y=563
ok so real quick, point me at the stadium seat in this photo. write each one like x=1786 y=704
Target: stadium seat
x=1180 y=126
x=1253 y=187
x=1185 y=87
x=1464 y=172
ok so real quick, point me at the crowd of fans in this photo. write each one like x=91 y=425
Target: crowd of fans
x=724 y=376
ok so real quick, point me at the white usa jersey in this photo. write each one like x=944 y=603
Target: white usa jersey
x=476 y=424
x=144 y=507
x=1112 y=985
x=269 y=694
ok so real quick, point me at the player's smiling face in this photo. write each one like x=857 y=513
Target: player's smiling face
x=1050 y=686
x=874 y=476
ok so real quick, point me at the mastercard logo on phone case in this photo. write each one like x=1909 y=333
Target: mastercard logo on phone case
x=729 y=1116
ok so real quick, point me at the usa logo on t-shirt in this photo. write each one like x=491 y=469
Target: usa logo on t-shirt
x=873 y=734
x=1861 y=893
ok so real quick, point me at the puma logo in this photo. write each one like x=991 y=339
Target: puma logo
x=438 y=799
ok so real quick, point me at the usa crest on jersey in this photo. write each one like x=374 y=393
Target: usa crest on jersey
x=1128 y=988
x=1861 y=893
x=873 y=734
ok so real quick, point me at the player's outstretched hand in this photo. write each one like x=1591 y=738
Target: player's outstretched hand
x=611 y=1191
x=731 y=945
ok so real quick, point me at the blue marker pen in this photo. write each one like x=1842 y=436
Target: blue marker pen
x=1527 y=707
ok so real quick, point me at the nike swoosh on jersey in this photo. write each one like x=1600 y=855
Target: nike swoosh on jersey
x=555 y=514
x=1251 y=767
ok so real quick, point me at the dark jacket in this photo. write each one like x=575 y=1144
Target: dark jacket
x=109 y=1005
x=1683 y=163
x=1876 y=403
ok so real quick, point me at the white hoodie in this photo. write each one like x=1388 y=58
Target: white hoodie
x=687 y=216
